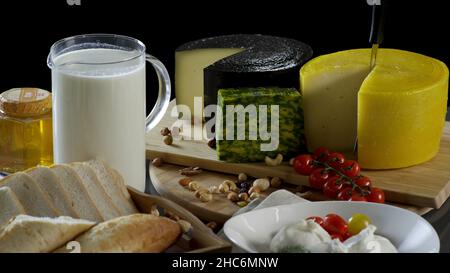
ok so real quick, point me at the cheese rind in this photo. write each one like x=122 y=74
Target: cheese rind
x=236 y=61
x=290 y=124
x=397 y=110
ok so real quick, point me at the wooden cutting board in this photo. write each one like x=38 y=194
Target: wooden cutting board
x=425 y=185
x=165 y=180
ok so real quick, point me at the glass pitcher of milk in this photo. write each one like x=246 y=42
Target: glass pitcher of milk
x=98 y=86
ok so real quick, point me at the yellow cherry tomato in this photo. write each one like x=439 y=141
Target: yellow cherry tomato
x=357 y=223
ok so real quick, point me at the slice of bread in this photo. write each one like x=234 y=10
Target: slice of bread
x=98 y=195
x=48 y=181
x=113 y=187
x=9 y=205
x=34 y=200
x=129 y=234
x=73 y=185
x=27 y=234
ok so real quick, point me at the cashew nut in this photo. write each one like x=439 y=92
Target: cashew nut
x=262 y=184
x=274 y=161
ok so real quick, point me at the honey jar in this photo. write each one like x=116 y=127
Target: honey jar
x=25 y=129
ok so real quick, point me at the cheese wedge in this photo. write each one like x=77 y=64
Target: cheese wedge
x=397 y=110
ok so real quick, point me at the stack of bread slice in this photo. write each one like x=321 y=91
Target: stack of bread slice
x=86 y=190
x=46 y=209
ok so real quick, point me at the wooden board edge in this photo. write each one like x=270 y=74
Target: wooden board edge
x=211 y=242
x=195 y=210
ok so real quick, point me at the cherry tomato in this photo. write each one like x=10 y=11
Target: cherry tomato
x=335 y=160
x=356 y=197
x=334 y=223
x=316 y=219
x=347 y=235
x=332 y=187
x=345 y=194
x=357 y=223
x=318 y=178
x=321 y=154
x=363 y=181
x=350 y=168
x=340 y=237
x=376 y=195
x=303 y=164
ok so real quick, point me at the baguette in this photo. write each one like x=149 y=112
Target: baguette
x=48 y=181
x=35 y=201
x=131 y=233
x=27 y=234
x=10 y=206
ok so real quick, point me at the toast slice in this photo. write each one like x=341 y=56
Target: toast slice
x=60 y=198
x=130 y=234
x=34 y=200
x=73 y=185
x=27 y=234
x=98 y=195
x=10 y=206
x=113 y=187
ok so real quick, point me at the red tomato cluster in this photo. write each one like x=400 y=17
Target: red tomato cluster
x=337 y=177
x=334 y=224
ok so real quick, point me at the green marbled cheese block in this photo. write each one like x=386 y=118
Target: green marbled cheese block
x=290 y=129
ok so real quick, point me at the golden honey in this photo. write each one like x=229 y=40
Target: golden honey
x=25 y=129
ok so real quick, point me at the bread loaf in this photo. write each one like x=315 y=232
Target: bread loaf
x=9 y=205
x=82 y=201
x=35 y=201
x=48 y=182
x=27 y=234
x=132 y=233
x=98 y=195
x=113 y=187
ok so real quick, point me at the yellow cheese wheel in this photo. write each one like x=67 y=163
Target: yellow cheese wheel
x=397 y=110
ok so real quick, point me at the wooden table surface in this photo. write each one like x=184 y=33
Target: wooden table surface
x=439 y=219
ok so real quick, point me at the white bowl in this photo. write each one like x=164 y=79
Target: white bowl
x=253 y=231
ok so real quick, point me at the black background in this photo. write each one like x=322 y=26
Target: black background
x=29 y=28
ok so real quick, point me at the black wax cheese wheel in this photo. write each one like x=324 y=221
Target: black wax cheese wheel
x=265 y=61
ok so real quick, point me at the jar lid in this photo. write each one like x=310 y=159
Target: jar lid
x=25 y=102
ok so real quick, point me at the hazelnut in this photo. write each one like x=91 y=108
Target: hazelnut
x=242 y=177
x=243 y=196
x=254 y=195
x=224 y=188
x=275 y=182
x=185 y=226
x=193 y=186
x=165 y=131
x=205 y=197
x=212 y=225
x=185 y=181
x=157 y=162
x=233 y=197
x=253 y=190
x=263 y=184
x=168 y=140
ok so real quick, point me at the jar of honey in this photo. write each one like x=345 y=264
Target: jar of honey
x=25 y=129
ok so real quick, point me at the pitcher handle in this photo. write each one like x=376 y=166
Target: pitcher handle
x=162 y=103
